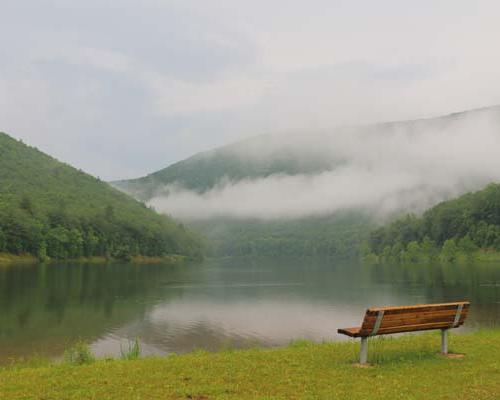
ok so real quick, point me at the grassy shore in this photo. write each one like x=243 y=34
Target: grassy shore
x=408 y=367
x=9 y=259
x=488 y=255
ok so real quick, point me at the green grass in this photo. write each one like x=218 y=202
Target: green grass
x=489 y=255
x=133 y=352
x=9 y=259
x=408 y=367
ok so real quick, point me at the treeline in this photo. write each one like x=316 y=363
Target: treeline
x=49 y=209
x=60 y=236
x=447 y=231
x=338 y=236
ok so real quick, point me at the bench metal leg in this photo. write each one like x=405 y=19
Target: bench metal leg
x=444 y=341
x=363 y=353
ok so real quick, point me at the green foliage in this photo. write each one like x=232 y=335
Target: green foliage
x=79 y=354
x=340 y=235
x=449 y=251
x=466 y=245
x=51 y=210
x=133 y=351
x=448 y=231
x=413 y=251
x=429 y=248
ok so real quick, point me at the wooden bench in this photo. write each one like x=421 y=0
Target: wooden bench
x=421 y=317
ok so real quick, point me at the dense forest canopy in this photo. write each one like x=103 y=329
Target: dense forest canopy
x=464 y=224
x=49 y=209
x=335 y=236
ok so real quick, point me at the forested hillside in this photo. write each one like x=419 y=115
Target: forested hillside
x=396 y=156
x=339 y=235
x=462 y=225
x=49 y=209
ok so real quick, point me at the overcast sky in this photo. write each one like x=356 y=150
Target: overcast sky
x=123 y=88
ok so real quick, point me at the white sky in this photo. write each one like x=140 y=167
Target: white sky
x=123 y=88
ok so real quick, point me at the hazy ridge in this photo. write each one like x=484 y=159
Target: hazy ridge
x=306 y=194
x=387 y=167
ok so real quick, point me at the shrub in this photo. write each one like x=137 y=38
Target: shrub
x=79 y=354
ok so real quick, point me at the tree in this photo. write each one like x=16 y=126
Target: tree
x=466 y=245
x=109 y=213
x=396 y=252
x=58 y=242
x=413 y=251
x=386 y=254
x=27 y=205
x=429 y=248
x=449 y=251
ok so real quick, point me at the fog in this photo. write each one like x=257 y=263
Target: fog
x=385 y=168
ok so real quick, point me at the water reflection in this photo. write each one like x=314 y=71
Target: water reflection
x=223 y=303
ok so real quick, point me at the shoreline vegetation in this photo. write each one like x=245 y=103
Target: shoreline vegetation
x=7 y=259
x=414 y=256
x=15 y=259
x=408 y=366
x=480 y=255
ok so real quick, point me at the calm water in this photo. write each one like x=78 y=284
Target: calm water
x=224 y=303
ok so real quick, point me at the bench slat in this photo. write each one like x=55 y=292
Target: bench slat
x=416 y=321
x=417 y=307
x=353 y=332
x=451 y=311
x=412 y=317
x=414 y=328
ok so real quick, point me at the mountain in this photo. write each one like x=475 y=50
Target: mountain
x=256 y=157
x=49 y=209
x=300 y=153
x=321 y=193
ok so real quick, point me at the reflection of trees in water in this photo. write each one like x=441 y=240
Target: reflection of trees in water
x=477 y=282
x=46 y=308
x=51 y=306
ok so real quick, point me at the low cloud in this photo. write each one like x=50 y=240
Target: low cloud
x=384 y=168
x=123 y=90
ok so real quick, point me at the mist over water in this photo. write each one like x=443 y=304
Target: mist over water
x=385 y=168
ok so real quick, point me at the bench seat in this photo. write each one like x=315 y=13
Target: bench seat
x=419 y=317
x=352 y=332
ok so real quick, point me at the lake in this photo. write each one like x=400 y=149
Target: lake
x=219 y=303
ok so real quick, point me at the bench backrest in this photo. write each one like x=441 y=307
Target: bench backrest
x=384 y=320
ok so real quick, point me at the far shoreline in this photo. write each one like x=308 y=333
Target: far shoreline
x=9 y=260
